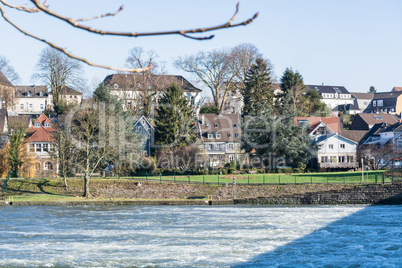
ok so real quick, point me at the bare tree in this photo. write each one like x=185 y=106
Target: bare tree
x=77 y=23
x=220 y=70
x=8 y=70
x=378 y=156
x=57 y=71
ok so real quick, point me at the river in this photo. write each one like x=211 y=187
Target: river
x=200 y=236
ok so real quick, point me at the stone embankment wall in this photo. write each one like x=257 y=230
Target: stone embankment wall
x=362 y=194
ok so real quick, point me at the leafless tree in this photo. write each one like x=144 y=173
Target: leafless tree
x=57 y=71
x=220 y=70
x=378 y=156
x=8 y=70
x=77 y=23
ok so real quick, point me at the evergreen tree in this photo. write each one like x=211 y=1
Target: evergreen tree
x=209 y=109
x=258 y=89
x=292 y=84
x=174 y=126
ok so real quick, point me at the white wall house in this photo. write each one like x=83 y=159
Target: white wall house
x=336 y=152
x=334 y=97
x=31 y=100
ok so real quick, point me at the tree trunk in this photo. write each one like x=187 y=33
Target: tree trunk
x=65 y=181
x=86 y=186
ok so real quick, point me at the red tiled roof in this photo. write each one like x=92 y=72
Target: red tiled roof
x=41 y=135
x=42 y=119
x=397 y=89
x=331 y=122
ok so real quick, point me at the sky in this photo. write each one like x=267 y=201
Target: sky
x=351 y=43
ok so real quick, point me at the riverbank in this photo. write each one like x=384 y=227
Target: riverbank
x=133 y=192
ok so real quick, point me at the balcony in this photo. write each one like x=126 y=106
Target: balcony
x=339 y=165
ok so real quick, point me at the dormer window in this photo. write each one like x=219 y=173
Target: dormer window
x=37 y=125
x=29 y=94
x=41 y=94
x=229 y=135
x=380 y=103
x=207 y=125
x=216 y=125
x=116 y=86
x=218 y=135
x=234 y=125
x=374 y=103
x=47 y=124
x=210 y=136
x=237 y=135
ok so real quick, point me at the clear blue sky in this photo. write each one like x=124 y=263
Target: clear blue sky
x=351 y=43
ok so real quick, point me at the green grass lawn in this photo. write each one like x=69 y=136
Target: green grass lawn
x=307 y=178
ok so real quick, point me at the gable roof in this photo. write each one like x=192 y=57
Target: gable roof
x=148 y=127
x=42 y=119
x=69 y=91
x=375 y=130
x=131 y=81
x=346 y=107
x=335 y=135
x=41 y=135
x=372 y=119
x=387 y=95
x=224 y=125
x=328 y=89
x=332 y=123
x=362 y=96
x=4 y=81
x=22 y=91
x=397 y=89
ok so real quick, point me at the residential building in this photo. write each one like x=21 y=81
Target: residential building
x=3 y=127
x=365 y=121
x=133 y=88
x=220 y=138
x=7 y=92
x=335 y=151
x=146 y=130
x=333 y=96
x=70 y=96
x=386 y=102
x=31 y=100
x=40 y=144
x=362 y=100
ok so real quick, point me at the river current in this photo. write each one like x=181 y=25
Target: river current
x=200 y=236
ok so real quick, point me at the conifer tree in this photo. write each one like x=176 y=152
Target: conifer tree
x=174 y=125
x=258 y=89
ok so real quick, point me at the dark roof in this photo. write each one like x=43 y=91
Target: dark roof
x=35 y=91
x=4 y=80
x=394 y=127
x=328 y=89
x=70 y=91
x=363 y=96
x=347 y=107
x=131 y=81
x=3 y=117
x=354 y=135
x=19 y=121
x=375 y=130
x=386 y=95
x=224 y=125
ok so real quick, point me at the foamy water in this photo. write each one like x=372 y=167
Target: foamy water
x=201 y=236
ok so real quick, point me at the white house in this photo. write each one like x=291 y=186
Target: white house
x=31 y=100
x=335 y=97
x=336 y=151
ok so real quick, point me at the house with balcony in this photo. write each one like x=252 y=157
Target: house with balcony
x=40 y=144
x=220 y=138
x=335 y=152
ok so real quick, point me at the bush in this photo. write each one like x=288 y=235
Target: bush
x=284 y=170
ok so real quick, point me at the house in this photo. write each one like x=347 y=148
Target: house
x=132 y=88
x=362 y=100
x=3 y=127
x=31 y=100
x=333 y=96
x=220 y=138
x=7 y=92
x=335 y=151
x=346 y=108
x=365 y=121
x=146 y=130
x=354 y=135
x=40 y=144
x=70 y=96
x=386 y=102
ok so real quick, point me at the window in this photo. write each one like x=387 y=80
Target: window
x=350 y=159
x=41 y=94
x=210 y=147
x=45 y=147
x=218 y=135
x=48 y=166
x=116 y=86
x=341 y=159
x=207 y=125
x=38 y=148
x=210 y=136
x=42 y=107
x=234 y=125
x=324 y=159
x=220 y=147
x=332 y=159
x=230 y=146
x=29 y=94
x=379 y=102
x=229 y=135
x=32 y=147
x=231 y=157
x=22 y=106
x=37 y=125
x=47 y=124
x=374 y=103
x=330 y=146
x=342 y=145
x=216 y=125
x=237 y=135
x=192 y=100
x=30 y=106
x=37 y=166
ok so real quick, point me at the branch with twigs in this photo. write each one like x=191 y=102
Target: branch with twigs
x=42 y=7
